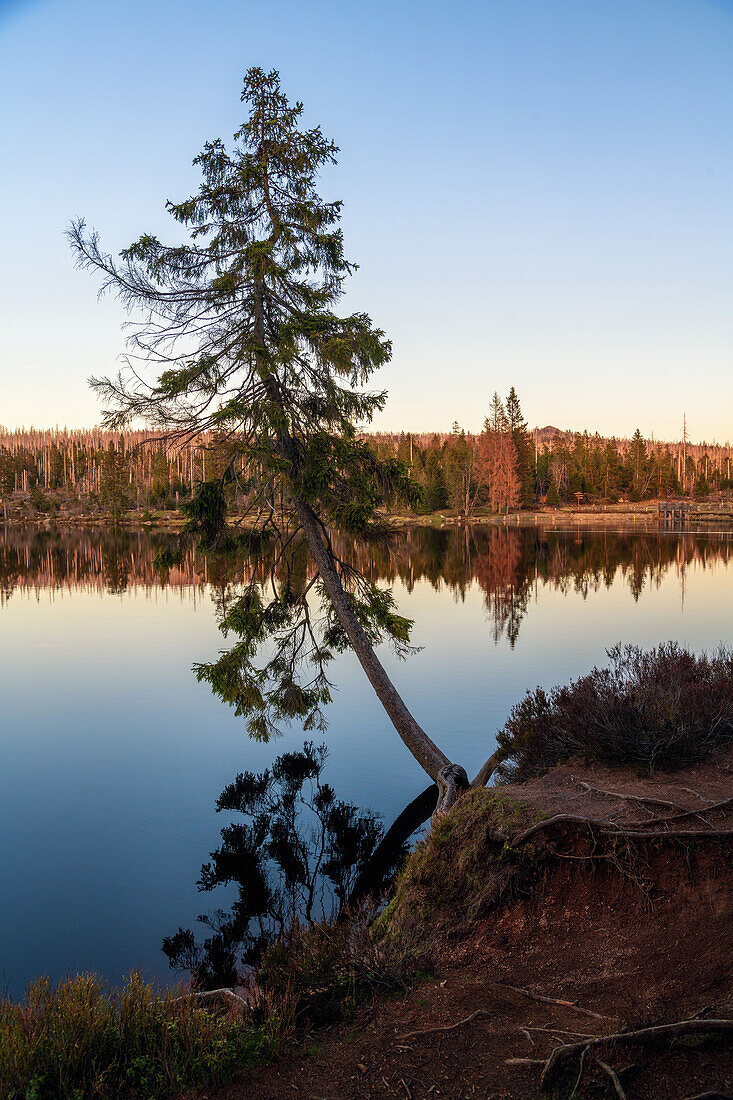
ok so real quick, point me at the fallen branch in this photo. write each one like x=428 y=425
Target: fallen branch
x=645 y=1034
x=556 y=1030
x=553 y=1001
x=576 y=1086
x=447 y=1027
x=614 y=1079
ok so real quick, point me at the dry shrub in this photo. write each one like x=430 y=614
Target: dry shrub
x=329 y=968
x=81 y=1040
x=663 y=708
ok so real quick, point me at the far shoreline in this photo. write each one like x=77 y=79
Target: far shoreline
x=641 y=515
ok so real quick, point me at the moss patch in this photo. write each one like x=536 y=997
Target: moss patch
x=464 y=868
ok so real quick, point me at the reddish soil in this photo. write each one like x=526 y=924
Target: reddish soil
x=640 y=943
x=566 y=790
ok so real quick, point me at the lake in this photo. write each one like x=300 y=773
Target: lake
x=113 y=755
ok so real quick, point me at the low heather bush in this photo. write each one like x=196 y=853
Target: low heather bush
x=80 y=1041
x=663 y=708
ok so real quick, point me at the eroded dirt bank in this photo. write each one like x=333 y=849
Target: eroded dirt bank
x=624 y=931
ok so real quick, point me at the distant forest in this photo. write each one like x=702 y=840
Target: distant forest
x=504 y=468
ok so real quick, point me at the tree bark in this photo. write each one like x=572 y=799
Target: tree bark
x=425 y=751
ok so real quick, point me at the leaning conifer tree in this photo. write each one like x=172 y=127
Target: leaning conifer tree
x=240 y=329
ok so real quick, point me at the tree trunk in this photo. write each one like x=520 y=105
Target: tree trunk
x=425 y=751
x=427 y=754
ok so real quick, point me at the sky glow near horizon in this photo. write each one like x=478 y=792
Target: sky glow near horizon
x=537 y=194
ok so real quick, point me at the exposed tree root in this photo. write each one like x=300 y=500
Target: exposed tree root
x=687 y=813
x=662 y=834
x=614 y=1079
x=490 y=1012
x=611 y=828
x=558 y=819
x=451 y=781
x=644 y=1035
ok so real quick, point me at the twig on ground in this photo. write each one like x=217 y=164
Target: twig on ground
x=557 y=1031
x=447 y=1027
x=696 y=793
x=707 y=1008
x=614 y=1079
x=553 y=1001
x=645 y=1034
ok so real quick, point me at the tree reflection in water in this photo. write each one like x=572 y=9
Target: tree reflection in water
x=297 y=856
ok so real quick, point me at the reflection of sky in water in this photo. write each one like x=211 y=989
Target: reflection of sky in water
x=113 y=755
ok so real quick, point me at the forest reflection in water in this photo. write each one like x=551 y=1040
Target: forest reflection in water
x=505 y=563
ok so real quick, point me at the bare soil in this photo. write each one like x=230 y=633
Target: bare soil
x=639 y=941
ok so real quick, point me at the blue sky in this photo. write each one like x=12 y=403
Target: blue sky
x=539 y=193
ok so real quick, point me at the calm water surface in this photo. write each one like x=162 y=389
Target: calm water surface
x=113 y=756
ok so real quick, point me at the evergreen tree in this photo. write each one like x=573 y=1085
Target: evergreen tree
x=114 y=484
x=460 y=471
x=522 y=447
x=160 y=479
x=612 y=471
x=637 y=466
x=7 y=473
x=435 y=492
x=240 y=324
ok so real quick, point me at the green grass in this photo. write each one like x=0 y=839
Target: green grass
x=80 y=1040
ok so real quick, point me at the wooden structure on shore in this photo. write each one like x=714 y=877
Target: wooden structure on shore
x=680 y=514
